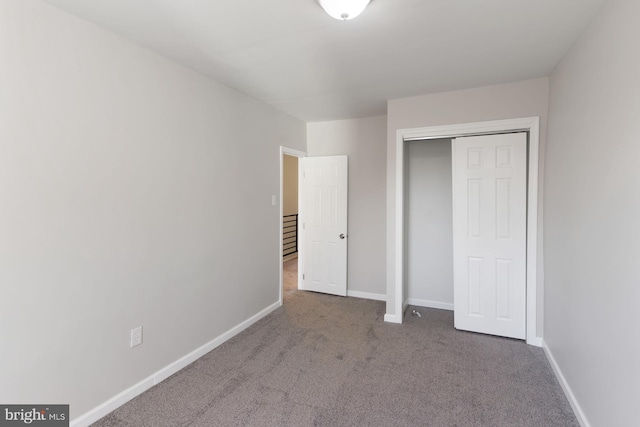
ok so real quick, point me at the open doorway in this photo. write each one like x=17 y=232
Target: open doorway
x=289 y=225
x=290 y=239
x=429 y=224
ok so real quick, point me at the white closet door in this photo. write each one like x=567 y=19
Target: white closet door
x=324 y=222
x=489 y=233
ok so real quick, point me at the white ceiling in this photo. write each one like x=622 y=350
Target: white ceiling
x=292 y=55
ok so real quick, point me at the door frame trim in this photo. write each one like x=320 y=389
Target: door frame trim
x=299 y=154
x=527 y=124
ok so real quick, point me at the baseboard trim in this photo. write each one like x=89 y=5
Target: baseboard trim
x=392 y=318
x=366 y=295
x=535 y=341
x=430 y=304
x=577 y=409
x=123 y=397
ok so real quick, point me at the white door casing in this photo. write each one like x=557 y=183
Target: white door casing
x=324 y=224
x=490 y=233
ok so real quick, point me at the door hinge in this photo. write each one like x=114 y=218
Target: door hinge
x=302 y=276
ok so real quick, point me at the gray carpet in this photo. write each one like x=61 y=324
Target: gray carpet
x=329 y=361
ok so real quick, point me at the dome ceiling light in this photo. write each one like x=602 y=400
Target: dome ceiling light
x=344 y=9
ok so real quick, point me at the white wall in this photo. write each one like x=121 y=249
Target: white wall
x=133 y=193
x=429 y=224
x=506 y=101
x=363 y=140
x=592 y=218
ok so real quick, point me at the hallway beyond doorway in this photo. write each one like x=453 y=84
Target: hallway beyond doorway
x=289 y=279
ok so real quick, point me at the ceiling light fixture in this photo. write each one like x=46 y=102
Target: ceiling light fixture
x=344 y=9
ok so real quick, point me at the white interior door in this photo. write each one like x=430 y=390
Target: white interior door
x=489 y=233
x=324 y=224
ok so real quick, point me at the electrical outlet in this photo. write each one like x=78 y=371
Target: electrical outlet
x=136 y=336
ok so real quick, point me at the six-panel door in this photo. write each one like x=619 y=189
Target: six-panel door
x=324 y=222
x=489 y=231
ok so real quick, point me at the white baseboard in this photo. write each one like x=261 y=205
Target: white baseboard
x=535 y=341
x=577 y=409
x=366 y=295
x=393 y=318
x=123 y=397
x=430 y=304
